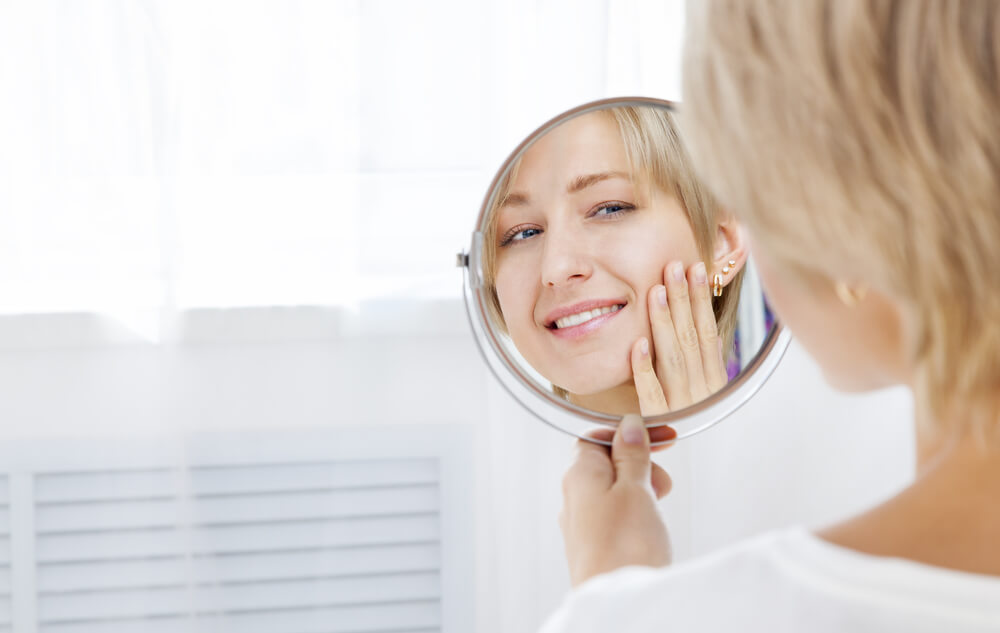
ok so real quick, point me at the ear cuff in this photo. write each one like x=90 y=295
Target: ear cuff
x=717 y=280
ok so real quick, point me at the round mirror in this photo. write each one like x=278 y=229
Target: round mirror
x=603 y=279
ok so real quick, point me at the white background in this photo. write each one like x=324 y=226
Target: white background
x=244 y=215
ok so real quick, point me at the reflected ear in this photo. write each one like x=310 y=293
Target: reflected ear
x=730 y=246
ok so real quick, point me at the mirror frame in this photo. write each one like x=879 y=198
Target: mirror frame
x=562 y=414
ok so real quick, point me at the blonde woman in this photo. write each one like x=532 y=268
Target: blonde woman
x=603 y=254
x=859 y=140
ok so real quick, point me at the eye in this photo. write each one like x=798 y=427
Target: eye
x=610 y=209
x=519 y=234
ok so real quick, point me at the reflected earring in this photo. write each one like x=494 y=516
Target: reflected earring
x=717 y=285
x=849 y=296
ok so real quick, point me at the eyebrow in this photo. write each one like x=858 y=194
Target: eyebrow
x=514 y=200
x=582 y=182
x=578 y=184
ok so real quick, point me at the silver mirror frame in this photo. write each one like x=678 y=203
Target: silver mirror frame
x=543 y=403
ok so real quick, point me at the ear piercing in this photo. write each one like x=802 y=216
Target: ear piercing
x=717 y=279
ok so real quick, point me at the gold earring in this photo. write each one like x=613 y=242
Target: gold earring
x=849 y=296
x=717 y=285
x=726 y=269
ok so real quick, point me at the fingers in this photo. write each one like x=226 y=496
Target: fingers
x=647 y=385
x=661 y=481
x=679 y=301
x=603 y=434
x=630 y=452
x=670 y=366
x=659 y=436
x=590 y=471
x=707 y=328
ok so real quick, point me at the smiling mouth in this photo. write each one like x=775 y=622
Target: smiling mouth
x=582 y=317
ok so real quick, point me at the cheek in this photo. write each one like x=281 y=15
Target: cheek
x=836 y=336
x=641 y=256
x=516 y=297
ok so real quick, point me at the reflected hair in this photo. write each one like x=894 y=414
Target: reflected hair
x=657 y=158
x=868 y=131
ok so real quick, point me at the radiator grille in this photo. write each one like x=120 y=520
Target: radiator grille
x=335 y=546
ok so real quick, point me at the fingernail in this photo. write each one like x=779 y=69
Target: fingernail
x=644 y=346
x=700 y=276
x=661 y=295
x=677 y=271
x=633 y=430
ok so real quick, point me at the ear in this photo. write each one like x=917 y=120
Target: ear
x=730 y=246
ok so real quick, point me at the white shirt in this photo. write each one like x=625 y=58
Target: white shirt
x=788 y=580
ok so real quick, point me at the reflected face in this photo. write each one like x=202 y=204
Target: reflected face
x=579 y=245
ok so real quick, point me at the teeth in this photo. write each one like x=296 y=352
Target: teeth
x=583 y=317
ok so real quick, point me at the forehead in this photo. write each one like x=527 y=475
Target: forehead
x=587 y=144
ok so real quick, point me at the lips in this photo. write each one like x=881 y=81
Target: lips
x=582 y=312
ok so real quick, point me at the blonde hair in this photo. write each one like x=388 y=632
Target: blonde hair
x=867 y=131
x=656 y=158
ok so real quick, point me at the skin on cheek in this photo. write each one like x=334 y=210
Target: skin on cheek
x=856 y=346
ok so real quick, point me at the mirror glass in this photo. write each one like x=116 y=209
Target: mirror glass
x=604 y=279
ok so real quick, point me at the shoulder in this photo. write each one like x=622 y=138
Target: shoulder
x=733 y=578
x=786 y=580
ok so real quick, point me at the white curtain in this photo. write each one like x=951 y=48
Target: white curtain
x=161 y=155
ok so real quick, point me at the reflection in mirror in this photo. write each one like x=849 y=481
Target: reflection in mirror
x=610 y=271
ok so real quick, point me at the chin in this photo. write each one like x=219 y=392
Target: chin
x=593 y=373
x=593 y=384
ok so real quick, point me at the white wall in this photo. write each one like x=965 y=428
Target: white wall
x=797 y=453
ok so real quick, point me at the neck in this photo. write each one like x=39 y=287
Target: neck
x=618 y=400
x=943 y=449
x=948 y=516
x=959 y=469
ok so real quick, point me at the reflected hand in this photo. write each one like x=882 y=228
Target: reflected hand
x=686 y=347
x=609 y=517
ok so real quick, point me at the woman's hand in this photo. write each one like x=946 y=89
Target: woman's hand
x=686 y=348
x=609 y=517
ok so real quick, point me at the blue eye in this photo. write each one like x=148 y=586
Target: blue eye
x=525 y=234
x=612 y=209
x=518 y=234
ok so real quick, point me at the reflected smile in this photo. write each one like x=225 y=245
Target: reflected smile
x=583 y=317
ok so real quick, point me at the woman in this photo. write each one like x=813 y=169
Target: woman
x=860 y=143
x=588 y=243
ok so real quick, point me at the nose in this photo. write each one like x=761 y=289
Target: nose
x=565 y=259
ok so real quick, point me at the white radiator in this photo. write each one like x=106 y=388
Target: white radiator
x=345 y=531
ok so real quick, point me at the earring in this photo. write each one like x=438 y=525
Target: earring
x=717 y=285
x=731 y=264
x=849 y=296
